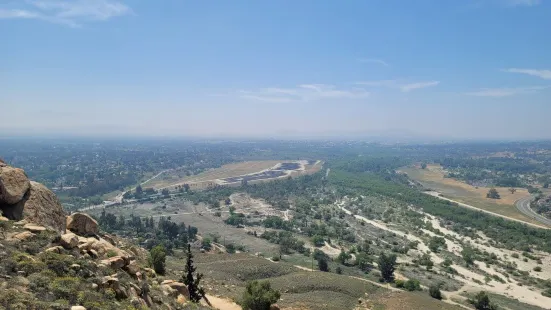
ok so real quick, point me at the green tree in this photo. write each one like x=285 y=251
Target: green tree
x=387 y=263
x=482 y=302
x=343 y=257
x=423 y=166
x=493 y=194
x=139 y=190
x=192 y=281
x=318 y=240
x=468 y=255
x=434 y=292
x=165 y=192
x=435 y=243
x=157 y=258
x=259 y=295
x=322 y=264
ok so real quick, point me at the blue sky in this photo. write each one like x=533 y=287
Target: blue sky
x=442 y=68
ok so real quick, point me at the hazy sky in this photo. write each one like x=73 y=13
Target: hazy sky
x=450 y=68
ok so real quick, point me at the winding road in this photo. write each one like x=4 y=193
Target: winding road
x=523 y=205
x=543 y=225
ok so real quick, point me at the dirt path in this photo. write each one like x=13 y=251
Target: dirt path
x=222 y=303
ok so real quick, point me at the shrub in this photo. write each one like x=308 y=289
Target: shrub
x=111 y=253
x=66 y=288
x=58 y=263
x=482 y=302
x=23 y=262
x=259 y=296
x=434 y=292
x=537 y=269
x=338 y=270
x=399 y=283
x=412 y=285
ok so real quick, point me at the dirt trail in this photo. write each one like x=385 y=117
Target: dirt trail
x=222 y=303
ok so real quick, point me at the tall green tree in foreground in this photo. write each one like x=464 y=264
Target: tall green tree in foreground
x=192 y=281
x=386 y=266
x=259 y=295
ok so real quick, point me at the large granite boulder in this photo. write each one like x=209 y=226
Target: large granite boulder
x=82 y=224
x=14 y=184
x=38 y=205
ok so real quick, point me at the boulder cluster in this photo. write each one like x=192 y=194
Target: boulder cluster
x=21 y=198
x=36 y=209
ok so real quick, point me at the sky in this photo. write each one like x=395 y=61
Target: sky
x=457 y=69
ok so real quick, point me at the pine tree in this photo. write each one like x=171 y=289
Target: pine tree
x=195 y=291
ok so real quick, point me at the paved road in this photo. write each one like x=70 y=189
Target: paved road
x=523 y=205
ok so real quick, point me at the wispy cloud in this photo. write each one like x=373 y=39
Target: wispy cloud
x=374 y=60
x=506 y=92
x=402 y=86
x=304 y=92
x=544 y=74
x=70 y=13
x=419 y=85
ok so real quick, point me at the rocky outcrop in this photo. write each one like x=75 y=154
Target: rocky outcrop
x=14 y=184
x=32 y=201
x=82 y=224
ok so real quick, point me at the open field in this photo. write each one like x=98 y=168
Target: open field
x=433 y=178
x=233 y=174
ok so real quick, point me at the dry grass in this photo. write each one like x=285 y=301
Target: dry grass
x=406 y=301
x=433 y=178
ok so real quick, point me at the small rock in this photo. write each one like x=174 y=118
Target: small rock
x=24 y=236
x=21 y=273
x=75 y=266
x=150 y=273
x=78 y=308
x=20 y=223
x=56 y=249
x=181 y=299
x=132 y=268
x=94 y=286
x=34 y=228
x=3 y=219
x=114 y=262
x=69 y=241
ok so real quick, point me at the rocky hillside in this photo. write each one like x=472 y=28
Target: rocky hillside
x=49 y=260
